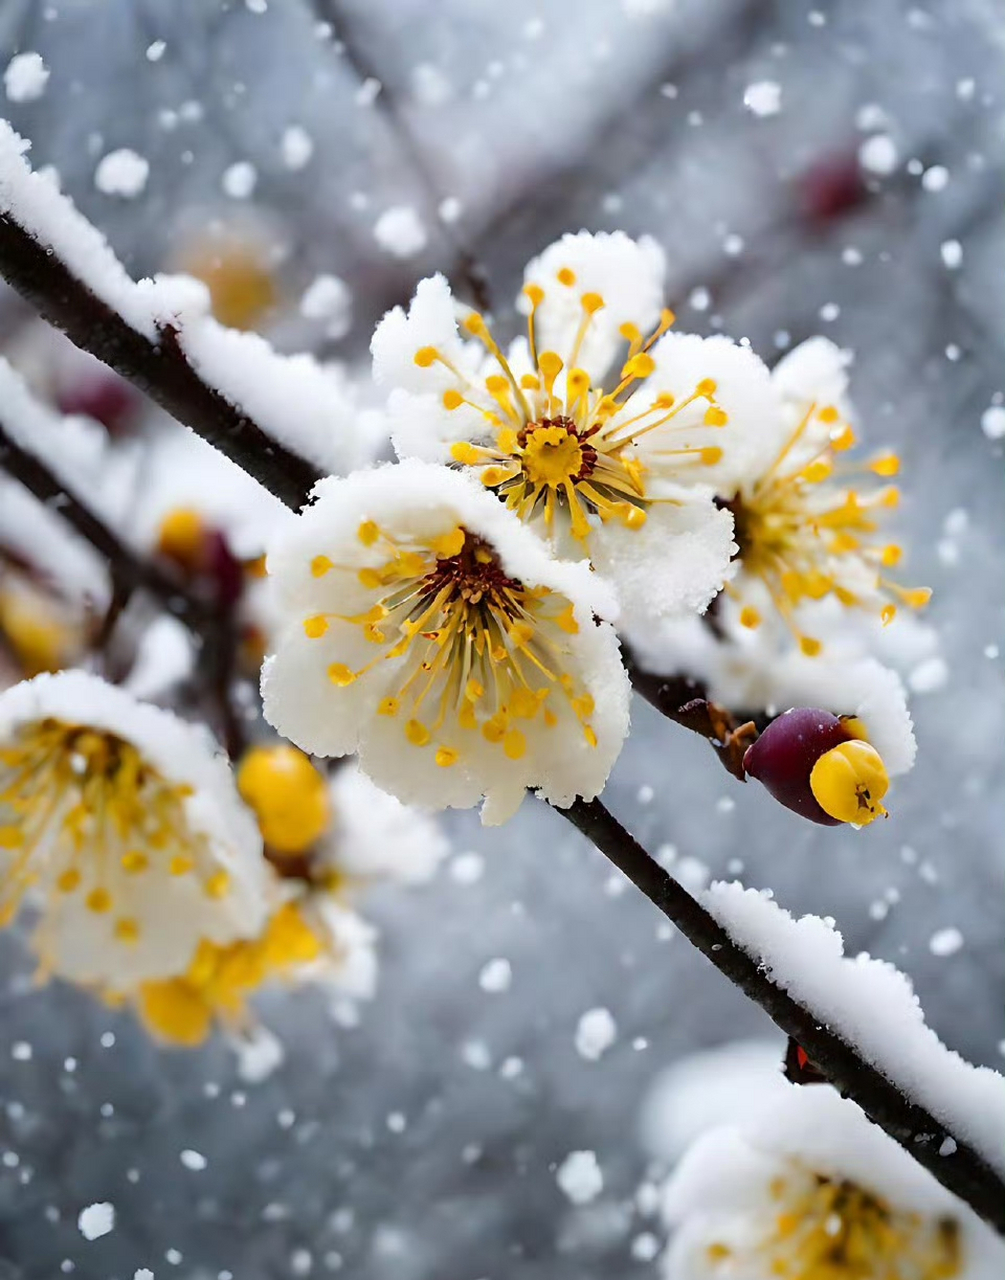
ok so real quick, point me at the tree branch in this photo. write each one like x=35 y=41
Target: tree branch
x=159 y=369
x=963 y=1171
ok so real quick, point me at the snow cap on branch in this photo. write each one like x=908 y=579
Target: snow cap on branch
x=428 y=629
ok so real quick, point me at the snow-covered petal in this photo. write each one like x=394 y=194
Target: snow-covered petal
x=669 y=568
x=122 y=823
x=428 y=629
x=429 y=324
x=375 y=836
x=807 y=1186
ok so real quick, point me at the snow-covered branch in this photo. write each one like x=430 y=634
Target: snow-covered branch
x=858 y=1022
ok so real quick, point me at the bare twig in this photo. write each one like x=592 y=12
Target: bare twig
x=963 y=1171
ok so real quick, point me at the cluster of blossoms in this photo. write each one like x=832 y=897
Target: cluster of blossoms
x=449 y=616
x=799 y=1184
x=156 y=882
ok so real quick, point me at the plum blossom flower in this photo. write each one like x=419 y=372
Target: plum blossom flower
x=807 y=1188
x=426 y=628
x=809 y=525
x=121 y=824
x=624 y=474
x=328 y=840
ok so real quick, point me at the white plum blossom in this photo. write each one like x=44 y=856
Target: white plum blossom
x=121 y=824
x=624 y=475
x=426 y=628
x=805 y=1186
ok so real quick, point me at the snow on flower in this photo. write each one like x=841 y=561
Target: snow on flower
x=121 y=824
x=807 y=1188
x=625 y=475
x=428 y=629
x=807 y=529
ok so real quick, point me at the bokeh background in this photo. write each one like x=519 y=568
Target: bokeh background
x=422 y=1143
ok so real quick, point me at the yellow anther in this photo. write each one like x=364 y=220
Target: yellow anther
x=340 y=675
x=368 y=532
x=718 y=1252
x=99 y=901
x=497 y=385
x=715 y=417
x=449 y=544
x=640 y=366
x=446 y=756
x=508 y=440
x=534 y=293
x=917 y=597
x=566 y=620
x=315 y=627
x=818 y=471
x=68 y=880
x=584 y=706
x=180 y=865
x=843 y=440
x=592 y=302
x=550 y=365
x=369 y=578
x=494 y=730
x=464 y=453
x=579 y=382
x=514 y=745
x=849 y=781
x=388 y=707
x=466 y=717
x=809 y=646
x=892 y=555
x=632 y=517
x=11 y=837
x=288 y=795
x=127 y=930
x=829 y=414
x=321 y=565
x=889 y=612
x=890 y=497
x=667 y=317
x=886 y=466
x=135 y=862
x=530 y=382
x=590 y=734
x=524 y=704
x=417 y=733
x=711 y=456
x=520 y=633
x=452 y=399
x=425 y=356
x=475 y=324
x=491 y=476
x=473 y=690
x=707 y=387
x=749 y=617
x=217 y=886
x=630 y=332
x=566 y=276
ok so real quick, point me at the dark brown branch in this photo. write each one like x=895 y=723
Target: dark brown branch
x=685 y=701
x=962 y=1171
x=129 y=571
x=159 y=369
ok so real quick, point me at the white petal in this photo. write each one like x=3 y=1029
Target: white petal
x=814 y=372
x=672 y=566
x=628 y=275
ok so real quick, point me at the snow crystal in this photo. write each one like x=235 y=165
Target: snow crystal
x=144 y=1273
x=155 y=51
x=296 y=146
x=764 y=98
x=952 y=253
x=259 y=1053
x=878 y=154
x=700 y=299
x=399 y=231
x=935 y=178
x=929 y=675
x=579 y=1177
x=96 y=1220
x=467 y=868
x=595 y=1033
x=238 y=181
x=122 y=173
x=193 y=1160
x=450 y=209
x=993 y=422
x=25 y=77
x=21 y=1051
x=329 y=298
x=645 y=1247
x=368 y=91
x=873 y=1005
x=430 y=86
x=496 y=976
x=945 y=942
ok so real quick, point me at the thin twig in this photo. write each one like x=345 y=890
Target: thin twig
x=963 y=1171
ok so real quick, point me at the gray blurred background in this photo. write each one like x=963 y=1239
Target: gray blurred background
x=422 y=1143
